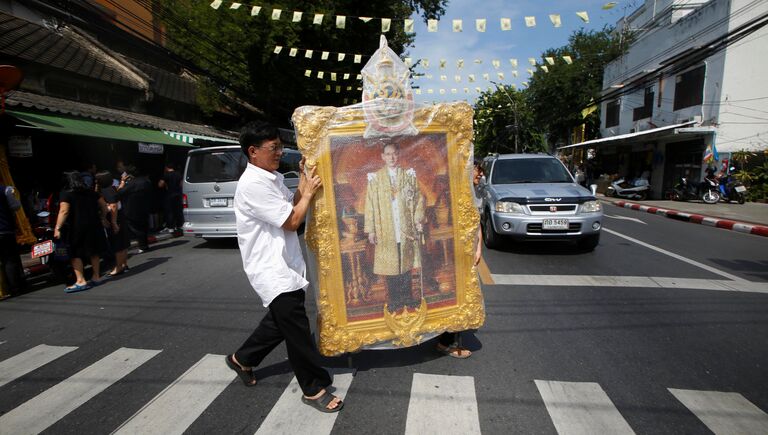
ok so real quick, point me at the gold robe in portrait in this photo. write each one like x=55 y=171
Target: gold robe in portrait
x=379 y=220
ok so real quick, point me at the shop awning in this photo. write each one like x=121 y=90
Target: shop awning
x=82 y=127
x=624 y=137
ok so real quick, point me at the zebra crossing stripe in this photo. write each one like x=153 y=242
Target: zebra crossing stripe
x=291 y=416
x=45 y=409
x=30 y=360
x=724 y=413
x=581 y=408
x=178 y=406
x=442 y=404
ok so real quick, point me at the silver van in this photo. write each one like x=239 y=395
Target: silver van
x=210 y=180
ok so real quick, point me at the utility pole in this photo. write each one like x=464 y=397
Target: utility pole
x=514 y=109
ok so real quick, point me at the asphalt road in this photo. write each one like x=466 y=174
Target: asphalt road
x=629 y=340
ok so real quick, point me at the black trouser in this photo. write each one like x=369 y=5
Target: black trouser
x=138 y=231
x=399 y=292
x=174 y=213
x=11 y=263
x=287 y=320
x=447 y=339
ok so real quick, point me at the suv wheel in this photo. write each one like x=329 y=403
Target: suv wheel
x=589 y=243
x=490 y=238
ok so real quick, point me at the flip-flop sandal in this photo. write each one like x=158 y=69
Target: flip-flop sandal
x=247 y=376
x=455 y=351
x=321 y=403
x=76 y=288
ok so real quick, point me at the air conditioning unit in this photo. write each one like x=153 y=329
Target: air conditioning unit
x=694 y=118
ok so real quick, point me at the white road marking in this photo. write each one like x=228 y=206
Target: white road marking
x=581 y=408
x=629 y=281
x=48 y=407
x=29 y=360
x=181 y=403
x=442 y=404
x=724 y=413
x=290 y=416
x=676 y=256
x=625 y=218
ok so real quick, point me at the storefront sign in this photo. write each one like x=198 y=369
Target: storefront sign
x=20 y=146
x=150 y=148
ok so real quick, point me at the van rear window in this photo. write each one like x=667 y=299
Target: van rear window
x=215 y=166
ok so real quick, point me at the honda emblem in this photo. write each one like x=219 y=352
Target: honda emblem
x=553 y=208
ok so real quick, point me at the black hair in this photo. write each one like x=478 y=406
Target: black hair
x=72 y=181
x=104 y=179
x=256 y=132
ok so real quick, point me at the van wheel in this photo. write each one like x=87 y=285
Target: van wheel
x=589 y=243
x=490 y=238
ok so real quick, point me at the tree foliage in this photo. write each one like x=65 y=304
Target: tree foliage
x=504 y=123
x=237 y=49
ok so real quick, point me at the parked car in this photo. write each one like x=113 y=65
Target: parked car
x=534 y=197
x=210 y=180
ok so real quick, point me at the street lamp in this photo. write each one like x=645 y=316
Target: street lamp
x=514 y=109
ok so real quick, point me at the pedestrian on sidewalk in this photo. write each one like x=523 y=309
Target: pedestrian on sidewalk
x=268 y=215
x=172 y=202
x=135 y=194
x=118 y=231
x=13 y=274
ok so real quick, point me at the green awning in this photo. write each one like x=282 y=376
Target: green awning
x=83 y=127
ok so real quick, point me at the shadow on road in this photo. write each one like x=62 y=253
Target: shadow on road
x=541 y=248
x=228 y=243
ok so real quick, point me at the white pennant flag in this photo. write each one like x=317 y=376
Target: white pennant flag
x=501 y=75
x=385 y=23
x=407 y=61
x=338 y=89
x=308 y=54
x=365 y=19
x=506 y=24
x=293 y=52
x=340 y=57
x=425 y=62
x=544 y=67
x=583 y=15
x=550 y=60
x=341 y=21
x=458 y=26
x=333 y=76
x=471 y=78
x=442 y=91
x=530 y=71
x=408 y=25
x=349 y=88
x=514 y=73
x=513 y=62
x=457 y=78
x=532 y=61
x=460 y=63
x=320 y=74
x=480 y=24
x=346 y=76
x=417 y=91
x=216 y=4
x=496 y=63
x=318 y=19
x=235 y=5
x=466 y=90
x=555 y=20
x=478 y=61
x=255 y=10
x=278 y=49
x=530 y=21
x=431 y=25
x=276 y=14
x=442 y=63
x=443 y=78
x=359 y=76
x=430 y=91
x=327 y=87
x=568 y=59
x=478 y=90
x=324 y=55
x=525 y=84
x=308 y=73
x=358 y=58
x=486 y=76
x=453 y=90
x=428 y=76
x=296 y=16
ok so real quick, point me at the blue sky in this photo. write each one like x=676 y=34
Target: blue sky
x=520 y=42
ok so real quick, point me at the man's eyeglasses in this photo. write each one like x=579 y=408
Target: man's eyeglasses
x=273 y=148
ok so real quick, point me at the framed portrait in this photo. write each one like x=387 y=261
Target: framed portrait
x=392 y=232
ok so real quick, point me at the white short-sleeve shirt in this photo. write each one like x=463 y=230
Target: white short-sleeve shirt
x=272 y=257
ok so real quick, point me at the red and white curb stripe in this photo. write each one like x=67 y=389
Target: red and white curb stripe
x=760 y=230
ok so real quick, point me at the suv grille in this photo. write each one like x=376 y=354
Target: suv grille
x=573 y=227
x=549 y=208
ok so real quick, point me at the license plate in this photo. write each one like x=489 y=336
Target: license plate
x=740 y=189
x=42 y=249
x=217 y=202
x=554 y=224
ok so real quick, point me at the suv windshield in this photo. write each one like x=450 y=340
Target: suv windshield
x=543 y=170
x=215 y=166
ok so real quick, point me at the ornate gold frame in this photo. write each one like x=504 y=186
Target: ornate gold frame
x=314 y=130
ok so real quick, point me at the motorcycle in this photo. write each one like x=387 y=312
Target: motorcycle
x=637 y=189
x=732 y=189
x=684 y=190
x=710 y=190
x=51 y=253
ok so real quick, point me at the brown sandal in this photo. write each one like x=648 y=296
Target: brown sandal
x=247 y=376
x=454 y=351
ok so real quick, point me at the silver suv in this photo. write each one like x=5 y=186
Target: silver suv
x=210 y=180
x=534 y=197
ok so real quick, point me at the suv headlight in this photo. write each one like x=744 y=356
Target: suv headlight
x=591 y=207
x=509 y=207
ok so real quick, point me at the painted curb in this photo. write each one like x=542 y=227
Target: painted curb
x=726 y=224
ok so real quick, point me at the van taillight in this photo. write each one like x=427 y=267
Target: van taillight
x=184 y=203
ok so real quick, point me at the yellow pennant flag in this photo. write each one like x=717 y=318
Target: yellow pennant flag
x=568 y=59
x=442 y=91
x=544 y=67
x=417 y=91
x=278 y=49
x=359 y=76
x=525 y=84
x=346 y=76
x=506 y=24
x=216 y=4
x=430 y=91
x=530 y=21
x=513 y=62
x=550 y=60
x=532 y=61
x=486 y=76
x=255 y=10
x=385 y=23
x=555 y=20
x=460 y=63
x=318 y=19
x=324 y=55
x=338 y=89
x=235 y=5
x=583 y=15
x=609 y=5
x=478 y=61
x=431 y=25
x=466 y=90
x=349 y=88
x=454 y=90
x=407 y=61
x=320 y=74
x=478 y=90
x=530 y=71
x=341 y=21
x=500 y=75
x=308 y=73
x=296 y=16
x=458 y=26
x=293 y=52
x=496 y=63
x=276 y=14
x=471 y=78
x=308 y=54
x=588 y=110
x=514 y=73
x=480 y=24
x=457 y=78
x=442 y=63
x=333 y=76
x=365 y=19
x=340 y=57
x=425 y=63
x=327 y=87
x=408 y=25
x=358 y=58
x=443 y=78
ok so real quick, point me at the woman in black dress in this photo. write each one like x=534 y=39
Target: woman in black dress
x=81 y=222
x=118 y=231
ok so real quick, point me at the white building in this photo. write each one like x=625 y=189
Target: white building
x=695 y=75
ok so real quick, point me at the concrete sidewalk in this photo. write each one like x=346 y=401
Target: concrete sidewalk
x=750 y=217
